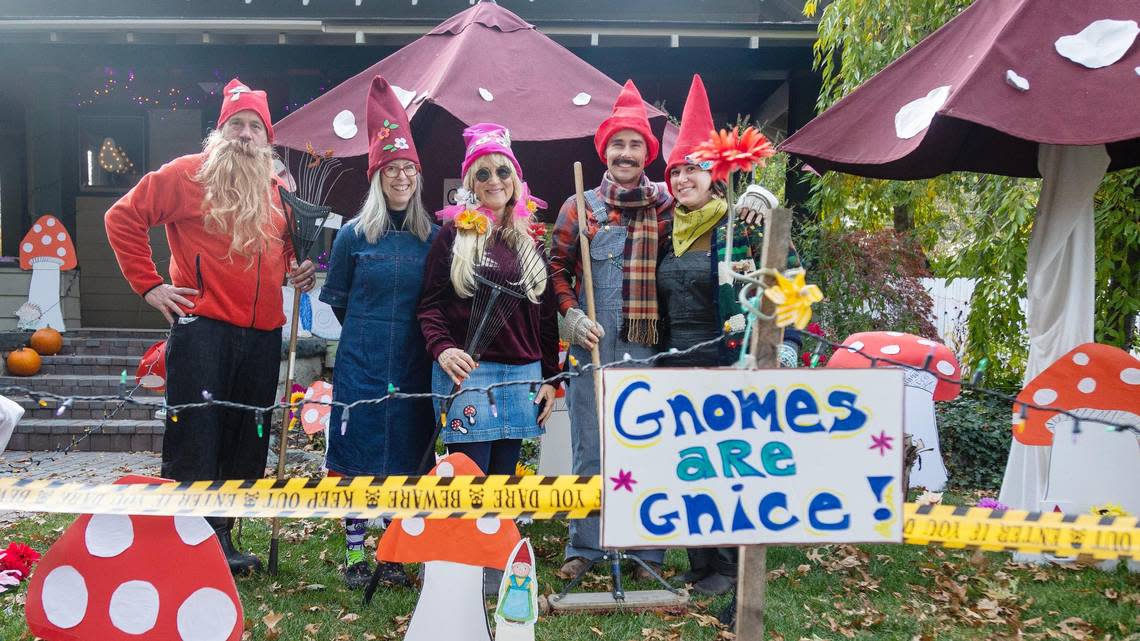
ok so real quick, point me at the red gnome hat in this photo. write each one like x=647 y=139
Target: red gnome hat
x=696 y=127
x=389 y=133
x=238 y=97
x=629 y=113
x=523 y=555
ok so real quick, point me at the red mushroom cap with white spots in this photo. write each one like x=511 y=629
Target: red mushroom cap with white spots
x=315 y=416
x=114 y=577
x=1091 y=381
x=901 y=348
x=47 y=241
x=151 y=372
x=486 y=542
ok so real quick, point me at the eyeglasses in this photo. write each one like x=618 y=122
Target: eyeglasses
x=502 y=171
x=391 y=171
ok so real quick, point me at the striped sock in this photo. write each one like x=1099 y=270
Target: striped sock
x=354 y=531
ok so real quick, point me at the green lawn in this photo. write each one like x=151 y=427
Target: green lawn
x=829 y=592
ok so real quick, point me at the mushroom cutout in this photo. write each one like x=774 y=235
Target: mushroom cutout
x=517 y=610
x=315 y=416
x=1098 y=464
x=454 y=553
x=46 y=250
x=119 y=578
x=921 y=388
x=151 y=373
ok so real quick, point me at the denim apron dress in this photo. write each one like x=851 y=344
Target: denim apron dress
x=607 y=255
x=380 y=344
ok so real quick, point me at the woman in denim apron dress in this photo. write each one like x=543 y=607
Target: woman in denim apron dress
x=374 y=282
x=526 y=346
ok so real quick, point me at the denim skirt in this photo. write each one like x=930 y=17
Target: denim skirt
x=470 y=418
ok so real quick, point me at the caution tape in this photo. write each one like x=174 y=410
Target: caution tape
x=535 y=497
x=1050 y=533
x=362 y=497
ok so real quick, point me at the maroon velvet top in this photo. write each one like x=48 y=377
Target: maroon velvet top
x=529 y=334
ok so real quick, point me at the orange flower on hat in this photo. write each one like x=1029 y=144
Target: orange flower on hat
x=731 y=151
x=472 y=220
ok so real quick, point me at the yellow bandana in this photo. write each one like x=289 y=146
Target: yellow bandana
x=689 y=225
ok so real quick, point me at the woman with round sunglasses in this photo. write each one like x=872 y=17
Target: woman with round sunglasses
x=374 y=282
x=488 y=233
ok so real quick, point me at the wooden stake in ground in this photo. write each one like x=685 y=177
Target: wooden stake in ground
x=283 y=445
x=752 y=583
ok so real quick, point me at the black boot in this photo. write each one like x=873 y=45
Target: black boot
x=239 y=562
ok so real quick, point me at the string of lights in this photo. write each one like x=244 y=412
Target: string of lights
x=575 y=369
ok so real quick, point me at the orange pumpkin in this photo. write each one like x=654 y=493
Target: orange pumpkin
x=24 y=361
x=47 y=341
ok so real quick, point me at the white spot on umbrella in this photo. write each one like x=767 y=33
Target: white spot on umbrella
x=404 y=96
x=1130 y=376
x=945 y=368
x=1081 y=358
x=856 y=346
x=65 y=597
x=488 y=524
x=50 y=222
x=344 y=125
x=311 y=415
x=108 y=535
x=413 y=526
x=1016 y=81
x=37 y=228
x=890 y=349
x=1087 y=385
x=192 y=529
x=1100 y=44
x=28 y=247
x=915 y=116
x=486 y=95
x=134 y=607
x=582 y=99
x=206 y=615
x=1044 y=396
x=445 y=469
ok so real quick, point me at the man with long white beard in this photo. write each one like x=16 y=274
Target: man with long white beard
x=230 y=251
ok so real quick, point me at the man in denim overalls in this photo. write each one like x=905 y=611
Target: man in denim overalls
x=625 y=215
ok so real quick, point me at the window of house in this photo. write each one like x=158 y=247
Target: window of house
x=112 y=152
x=13 y=181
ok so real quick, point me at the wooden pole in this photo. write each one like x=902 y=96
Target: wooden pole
x=283 y=445
x=587 y=274
x=752 y=584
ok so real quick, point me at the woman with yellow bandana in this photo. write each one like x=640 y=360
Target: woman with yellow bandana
x=695 y=301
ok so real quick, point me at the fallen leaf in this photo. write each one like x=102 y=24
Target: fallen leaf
x=350 y=617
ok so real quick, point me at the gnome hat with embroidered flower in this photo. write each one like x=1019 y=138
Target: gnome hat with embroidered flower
x=237 y=96
x=389 y=133
x=696 y=127
x=629 y=113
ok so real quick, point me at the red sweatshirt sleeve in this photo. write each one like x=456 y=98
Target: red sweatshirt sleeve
x=157 y=199
x=437 y=291
x=564 y=251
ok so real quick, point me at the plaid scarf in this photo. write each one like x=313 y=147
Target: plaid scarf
x=639 y=208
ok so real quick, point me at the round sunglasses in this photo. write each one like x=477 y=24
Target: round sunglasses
x=502 y=171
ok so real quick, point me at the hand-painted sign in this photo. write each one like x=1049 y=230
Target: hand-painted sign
x=738 y=457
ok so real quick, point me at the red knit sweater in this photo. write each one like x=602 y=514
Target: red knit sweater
x=231 y=289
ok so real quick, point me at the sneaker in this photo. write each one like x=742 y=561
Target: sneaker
x=714 y=584
x=641 y=574
x=572 y=567
x=393 y=574
x=357 y=575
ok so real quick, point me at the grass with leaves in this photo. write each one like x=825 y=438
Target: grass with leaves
x=900 y=592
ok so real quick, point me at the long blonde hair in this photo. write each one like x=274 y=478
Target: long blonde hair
x=467 y=250
x=237 y=178
x=372 y=220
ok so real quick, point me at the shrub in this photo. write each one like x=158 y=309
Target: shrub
x=974 y=432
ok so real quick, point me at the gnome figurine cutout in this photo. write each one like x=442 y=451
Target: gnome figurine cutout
x=454 y=553
x=518 y=597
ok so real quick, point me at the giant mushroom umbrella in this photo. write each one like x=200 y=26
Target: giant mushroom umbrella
x=1016 y=88
x=484 y=64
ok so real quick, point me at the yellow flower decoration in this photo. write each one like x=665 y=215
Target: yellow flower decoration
x=471 y=220
x=531 y=206
x=297 y=397
x=523 y=470
x=793 y=300
x=1109 y=509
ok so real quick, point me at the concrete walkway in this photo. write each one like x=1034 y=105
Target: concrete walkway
x=85 y=467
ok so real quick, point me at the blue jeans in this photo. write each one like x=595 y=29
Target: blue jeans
x=493 y=457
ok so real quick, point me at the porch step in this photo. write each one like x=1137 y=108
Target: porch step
x=73 y=384
x=108 y=345
x=118 y=435
x=88 y=365
x=85 y=410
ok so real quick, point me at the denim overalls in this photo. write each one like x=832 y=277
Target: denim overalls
x=607 y=252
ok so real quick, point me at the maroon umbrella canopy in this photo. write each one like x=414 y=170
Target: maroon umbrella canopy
x=980 y=93
x=482 y=65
